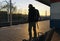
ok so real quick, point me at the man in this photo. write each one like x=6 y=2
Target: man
x=32 y=21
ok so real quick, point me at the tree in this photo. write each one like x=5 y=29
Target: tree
x=7 y=6
x=10 y=8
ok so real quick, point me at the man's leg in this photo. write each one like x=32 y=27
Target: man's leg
x=30 y=31
x=34 y=29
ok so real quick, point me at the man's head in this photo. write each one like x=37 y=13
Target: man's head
x=30 y=5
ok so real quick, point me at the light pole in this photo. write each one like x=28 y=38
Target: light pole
x=10 y=13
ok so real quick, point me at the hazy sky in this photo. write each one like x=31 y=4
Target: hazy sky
x=23 y=4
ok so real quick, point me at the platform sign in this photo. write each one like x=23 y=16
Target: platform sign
x=55 y=9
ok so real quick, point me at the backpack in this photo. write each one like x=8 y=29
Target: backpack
x=36 y=15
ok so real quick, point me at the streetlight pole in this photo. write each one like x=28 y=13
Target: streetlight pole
x=10 y=13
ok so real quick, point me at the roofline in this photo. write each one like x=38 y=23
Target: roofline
x=46 y=2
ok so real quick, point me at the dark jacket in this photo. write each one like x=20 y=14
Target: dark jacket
x=33 y=15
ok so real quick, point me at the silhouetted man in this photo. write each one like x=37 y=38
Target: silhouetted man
x=32 y=18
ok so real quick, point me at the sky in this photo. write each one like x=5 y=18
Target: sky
x=23 y=5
